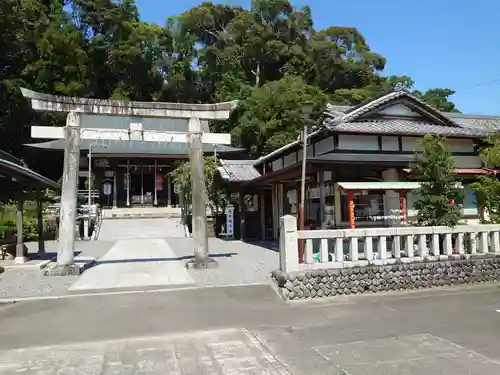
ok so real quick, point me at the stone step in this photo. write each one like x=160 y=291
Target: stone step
x=142 y=215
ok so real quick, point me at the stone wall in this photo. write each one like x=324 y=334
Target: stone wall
x=373 y=279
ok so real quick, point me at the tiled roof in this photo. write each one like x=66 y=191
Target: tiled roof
x=487 y=123
x=342 y=118
x=238 y=170
x=463 y=120
x=11 y=166
x=355 y=113
x=400 y=126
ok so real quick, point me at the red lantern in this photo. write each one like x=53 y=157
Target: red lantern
x=452 y=203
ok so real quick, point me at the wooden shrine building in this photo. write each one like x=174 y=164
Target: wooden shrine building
x=357 y=166
x=18 y=182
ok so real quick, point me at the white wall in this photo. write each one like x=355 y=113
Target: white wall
x=277 y=164
x=392 y=202
x=358 y=142
x=460 y=145
x=289 y=159
x=390 y=143
x=399 y=110
x=467 y=161
x=324 y=146
x=412 y=144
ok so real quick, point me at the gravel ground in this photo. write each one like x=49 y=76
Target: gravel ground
x=239 y=262
x=30 y=282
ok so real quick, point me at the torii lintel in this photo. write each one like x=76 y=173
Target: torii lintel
x=57 y=103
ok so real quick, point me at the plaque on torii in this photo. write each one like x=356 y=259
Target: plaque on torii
x=73 y=132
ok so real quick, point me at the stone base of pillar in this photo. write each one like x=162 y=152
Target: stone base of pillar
x=209 y=264
x=58 y=270
x=20 y=260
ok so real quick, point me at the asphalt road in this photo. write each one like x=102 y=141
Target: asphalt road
x=248 y=329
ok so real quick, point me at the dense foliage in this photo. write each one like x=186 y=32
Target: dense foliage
x=217 y=197
x=269 y=56
x=8 y=219
x=487 y=188
x=440 y=195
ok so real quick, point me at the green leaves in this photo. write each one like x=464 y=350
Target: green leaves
x=215 y=194
x=440 y=195
x=487 y=188
x=272 y=115
x=269 y=57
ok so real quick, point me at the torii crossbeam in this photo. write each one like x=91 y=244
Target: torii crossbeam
x=73 y=132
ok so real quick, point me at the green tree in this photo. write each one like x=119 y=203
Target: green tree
x=487 y=187
x=269 y=56
x=217 y=198
x=439 y=99
x=272 y=115
x=440 y=195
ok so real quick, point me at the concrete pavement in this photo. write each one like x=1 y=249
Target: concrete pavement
x=143 y=263
x=420 y=333
x=127 y=229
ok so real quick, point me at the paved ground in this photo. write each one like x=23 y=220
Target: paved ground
x=123 y=249
x=248 y=330
x=125 y=229
x=133 y=263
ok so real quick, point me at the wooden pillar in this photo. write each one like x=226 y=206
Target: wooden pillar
x=169 y=192
x=128 y=182
x=115 y=192
x=142 y=183
x=39 y=224
x=155 y=202
x=275 y=210
x=19 y=227
x=402 y=202
x=322 y=198
x=262 y=215
x=242 y=215
x=352 y=220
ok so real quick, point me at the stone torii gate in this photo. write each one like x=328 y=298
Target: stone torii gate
x=73 y=132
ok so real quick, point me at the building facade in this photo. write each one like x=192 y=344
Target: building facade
x=132 y=173
x=357 y=163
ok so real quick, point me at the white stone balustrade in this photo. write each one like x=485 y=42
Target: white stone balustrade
x=339 y=248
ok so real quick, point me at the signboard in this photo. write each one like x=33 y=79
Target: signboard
x=230 y=220
x=235 y=197
x=107 y=188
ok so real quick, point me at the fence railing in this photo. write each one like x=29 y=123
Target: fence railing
x=339 y=248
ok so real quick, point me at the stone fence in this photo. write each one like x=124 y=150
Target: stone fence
x=378 y=259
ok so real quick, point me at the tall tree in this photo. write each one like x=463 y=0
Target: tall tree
x=487 y=188
x=439 y=195
x=269 y=56
x=272 y=116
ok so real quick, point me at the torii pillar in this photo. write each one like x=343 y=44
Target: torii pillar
x=73 y=133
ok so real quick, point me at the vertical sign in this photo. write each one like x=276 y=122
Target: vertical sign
x=106 y=188
x=230 y=220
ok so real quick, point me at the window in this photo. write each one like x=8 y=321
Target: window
x=368 y=206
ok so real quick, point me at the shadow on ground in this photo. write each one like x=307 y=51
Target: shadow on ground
x=147 y=260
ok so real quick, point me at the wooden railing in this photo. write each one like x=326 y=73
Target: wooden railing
x=378 y=246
